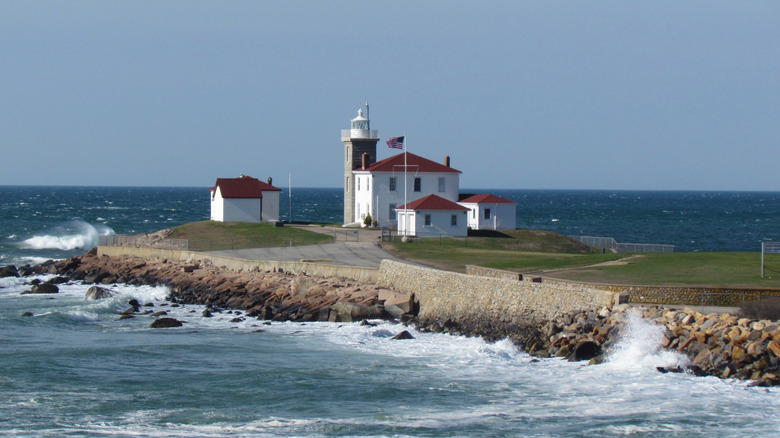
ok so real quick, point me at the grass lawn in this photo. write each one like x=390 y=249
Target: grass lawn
x=213 y=236
x=544 y=253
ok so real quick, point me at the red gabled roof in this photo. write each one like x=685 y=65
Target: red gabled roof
x=414 y=163
x=486 y=199
x=432 y=202
x=243 y=187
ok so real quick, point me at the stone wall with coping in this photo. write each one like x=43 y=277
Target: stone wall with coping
x=356 y=273
x=692 y=296
x=444 y=295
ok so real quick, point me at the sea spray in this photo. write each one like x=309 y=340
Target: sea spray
x=640 y=346
x=74 y=234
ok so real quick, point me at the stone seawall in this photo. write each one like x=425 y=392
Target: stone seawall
x=356 y=273
x=444 y=295
x=676 y=295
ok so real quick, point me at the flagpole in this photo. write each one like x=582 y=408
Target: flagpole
x=406 y=214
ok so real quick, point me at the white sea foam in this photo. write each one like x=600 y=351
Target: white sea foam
x=70 y=235
x=640 y=347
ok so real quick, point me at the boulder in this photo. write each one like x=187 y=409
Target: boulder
x=97 y=293
x=585 y=351
x=394 y=311
x=9 y=271
x=349 y=312
x=403 y=335
x=43 y=288
x=165 y=323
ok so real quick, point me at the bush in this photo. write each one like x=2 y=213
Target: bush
x=367 y=220
x=767 y=308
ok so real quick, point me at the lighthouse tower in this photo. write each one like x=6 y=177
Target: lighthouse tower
x=358 y=140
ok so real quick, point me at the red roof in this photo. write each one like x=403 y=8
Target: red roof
x=432 y=202
x=414 y=163
x=243 y=187
x=487 y=199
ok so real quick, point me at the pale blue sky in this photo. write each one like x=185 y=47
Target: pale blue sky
x=521 y=94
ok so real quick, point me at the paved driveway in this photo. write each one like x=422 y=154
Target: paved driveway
x=366 y=254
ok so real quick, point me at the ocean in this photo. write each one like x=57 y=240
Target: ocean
x=74 y=369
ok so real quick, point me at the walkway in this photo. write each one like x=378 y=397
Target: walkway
x=363 y=254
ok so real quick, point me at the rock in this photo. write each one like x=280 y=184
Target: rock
x=349 y=312
x=165 y=323
x=403 y=335
x=159 y=314
x=9 y=271
x=774 y=347
x=97 y=293
x=43 y=288
x=394 y=311
x=27 y=314
x=206 y=313
x=585 y=351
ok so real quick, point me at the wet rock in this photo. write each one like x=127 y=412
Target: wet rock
x=42 y=288
x=97 y=293
x=403 y=335
x=9 y=271
x=166 y=323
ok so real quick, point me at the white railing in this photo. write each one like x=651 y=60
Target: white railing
x=359 y=133
x=612 y=244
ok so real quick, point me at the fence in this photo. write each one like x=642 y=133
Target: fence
x=144 y=241
x=612 y=245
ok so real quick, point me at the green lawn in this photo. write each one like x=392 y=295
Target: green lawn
x=213 y=236
x=544 y=253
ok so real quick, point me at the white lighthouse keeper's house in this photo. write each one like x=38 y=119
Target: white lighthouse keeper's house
x=244 y=199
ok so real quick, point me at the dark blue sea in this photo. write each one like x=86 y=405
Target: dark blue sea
x=75 y=369
x=57 y=222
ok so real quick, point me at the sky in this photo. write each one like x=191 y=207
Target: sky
x=596 y=95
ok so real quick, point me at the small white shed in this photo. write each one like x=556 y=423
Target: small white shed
x=244 y=199
x=490 y=212
x=432 y=216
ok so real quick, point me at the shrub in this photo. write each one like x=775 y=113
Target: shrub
x=766 y=308
x=367 y=220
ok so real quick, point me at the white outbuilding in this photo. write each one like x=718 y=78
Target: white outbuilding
x=490 y=212
x=432 y=216
x=244 y=199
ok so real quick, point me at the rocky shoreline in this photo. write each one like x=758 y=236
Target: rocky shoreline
x=720 y=345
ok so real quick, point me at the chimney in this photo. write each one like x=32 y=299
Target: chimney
x=270 y=181
x=447 y=160
x=365 y=160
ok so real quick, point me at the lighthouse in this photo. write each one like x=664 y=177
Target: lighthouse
x=359 y=140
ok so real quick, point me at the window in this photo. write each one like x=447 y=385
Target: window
x=392 y=183
x=487 y=213
x=393 y=215
x=427 y=220
x=358 y=184
x=417 y=185
x=442 y=184
x=454 y=220
x=347 y=185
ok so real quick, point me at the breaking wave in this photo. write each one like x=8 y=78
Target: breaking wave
x=70 y=235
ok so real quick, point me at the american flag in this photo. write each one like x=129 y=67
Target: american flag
x=396 y=142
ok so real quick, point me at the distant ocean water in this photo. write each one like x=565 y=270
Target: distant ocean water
x=57 y=222
x=75 y=369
